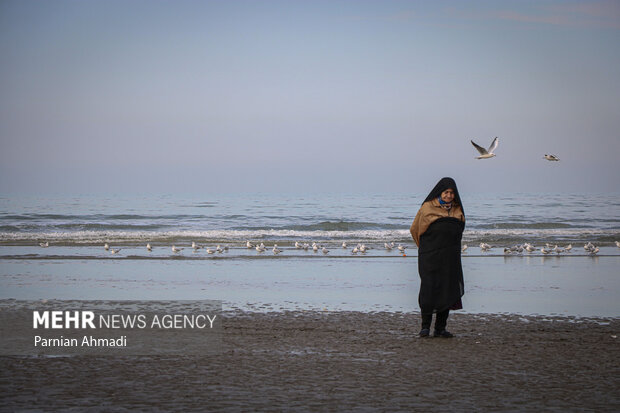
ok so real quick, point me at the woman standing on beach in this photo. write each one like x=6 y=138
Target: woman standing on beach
x=437 y=230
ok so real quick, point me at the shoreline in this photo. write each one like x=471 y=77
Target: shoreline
x=580 y=286
x=300 y=360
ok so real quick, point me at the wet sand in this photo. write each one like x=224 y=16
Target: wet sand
x=344 y=361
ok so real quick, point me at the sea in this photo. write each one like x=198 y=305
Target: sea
x=75 y=265
x=328 y=219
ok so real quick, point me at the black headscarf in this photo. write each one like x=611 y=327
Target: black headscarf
x=441 y=186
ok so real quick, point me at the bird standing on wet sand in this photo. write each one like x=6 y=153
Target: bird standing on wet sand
x=175 y=249
x=589 y=246
x=44 y=244
x=484 y=247
x=486 y=153
x=149 y=248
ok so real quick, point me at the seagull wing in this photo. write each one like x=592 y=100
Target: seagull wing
x=480 y=148
x=493 y=145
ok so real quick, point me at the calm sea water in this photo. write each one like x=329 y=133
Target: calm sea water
x=500 y=220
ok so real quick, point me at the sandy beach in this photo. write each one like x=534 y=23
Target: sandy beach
x=344 y=361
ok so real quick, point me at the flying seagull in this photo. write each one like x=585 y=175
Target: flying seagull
x=484 y=153
x=551 y=158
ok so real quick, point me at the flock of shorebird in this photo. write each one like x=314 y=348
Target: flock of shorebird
x=490 y=152
x=362 y=248
x=359 y=248
x=260 y=248
x=546 y=250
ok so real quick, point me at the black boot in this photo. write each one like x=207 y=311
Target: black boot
x=427 y=318
x=440 y=325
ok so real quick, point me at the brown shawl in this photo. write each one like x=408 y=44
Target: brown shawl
x=429 y=212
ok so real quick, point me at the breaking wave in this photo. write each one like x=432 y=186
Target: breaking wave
x=504 y=236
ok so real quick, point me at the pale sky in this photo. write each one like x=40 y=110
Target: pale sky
x=294 y=96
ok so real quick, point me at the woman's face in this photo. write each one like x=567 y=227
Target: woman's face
x=447 y=195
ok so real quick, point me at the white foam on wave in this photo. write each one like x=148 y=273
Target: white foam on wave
x=525 y=234
x=233 y=235
x=516 y=235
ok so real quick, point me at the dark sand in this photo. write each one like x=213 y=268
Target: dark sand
x=344 y=361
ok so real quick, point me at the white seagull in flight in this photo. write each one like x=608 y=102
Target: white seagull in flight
x=551 y=158
x=486 y=153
